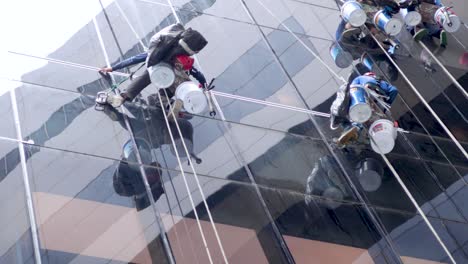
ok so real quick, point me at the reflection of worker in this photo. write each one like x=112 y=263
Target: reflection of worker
x=150 y=126
x=351 y=40
x=374 y=14
x=341 y=106
x=128 y=180
x=325 y=181
x=354 y=44
x=150 y=132
x=429 y=26
x=173 y=45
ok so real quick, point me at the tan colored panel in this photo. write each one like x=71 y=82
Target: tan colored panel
x=89 y=228
x=410 y=260
x=239 y=244
x=317 y=252
x=115 y=232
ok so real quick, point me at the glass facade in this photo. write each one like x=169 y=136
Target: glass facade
x=262 y=181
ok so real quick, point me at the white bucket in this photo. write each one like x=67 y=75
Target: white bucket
x=383 y=134
x=162 y=75
x=450 y=25
x=193 y=97
x=353 y=13
x=411 y=18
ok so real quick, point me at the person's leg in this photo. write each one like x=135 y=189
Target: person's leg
x=419 y=32
x=436 y=31
x=176 y=105
x=135 y=87
x=350 y=37
x=390 y=90
x=443 y=38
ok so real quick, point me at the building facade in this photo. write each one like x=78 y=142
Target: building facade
x=259 y=182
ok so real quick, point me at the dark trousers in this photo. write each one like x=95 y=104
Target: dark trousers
x=140 y=83
x=137 y=85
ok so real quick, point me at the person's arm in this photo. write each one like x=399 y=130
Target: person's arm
x=128 y=62
x=357 y=81
x=390 y=90
x=340 y=30
x=198 y=75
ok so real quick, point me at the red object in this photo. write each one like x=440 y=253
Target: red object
x=369 y=74
x=186 y=61
x=395 y=124
x=463 y=60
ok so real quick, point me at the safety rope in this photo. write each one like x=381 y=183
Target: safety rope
x=129 y=77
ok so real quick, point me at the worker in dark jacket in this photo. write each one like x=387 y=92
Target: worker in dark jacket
x=173 y=45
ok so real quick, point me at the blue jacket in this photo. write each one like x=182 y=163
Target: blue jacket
x=142 y=57
x=340 y=30
x=389 y=90
x=130 y=61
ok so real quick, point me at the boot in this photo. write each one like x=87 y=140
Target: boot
x=115 y=100
x=174 y=110
x=348 y=136
x=443 y=38
x=419 y=34
x=351 y=35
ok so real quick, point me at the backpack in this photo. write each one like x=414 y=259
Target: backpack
x=193 y=40
x=172 y=41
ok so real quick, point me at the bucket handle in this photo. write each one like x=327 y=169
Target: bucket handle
x=206 y=90
x=446 y=15
x=378 y=97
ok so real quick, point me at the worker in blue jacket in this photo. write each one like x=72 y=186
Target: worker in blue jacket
x=340 y=107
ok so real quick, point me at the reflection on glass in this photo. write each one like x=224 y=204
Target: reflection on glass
x=86 y=179
x=16 y=240
x=75 y=197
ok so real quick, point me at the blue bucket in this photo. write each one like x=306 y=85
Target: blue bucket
x=352 y=12
x=359 y=109
x=366 y=60
x=342 y=59
x=387 y=24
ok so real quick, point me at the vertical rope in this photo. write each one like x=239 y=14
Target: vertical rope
x=162 y=230
x=218 y=239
